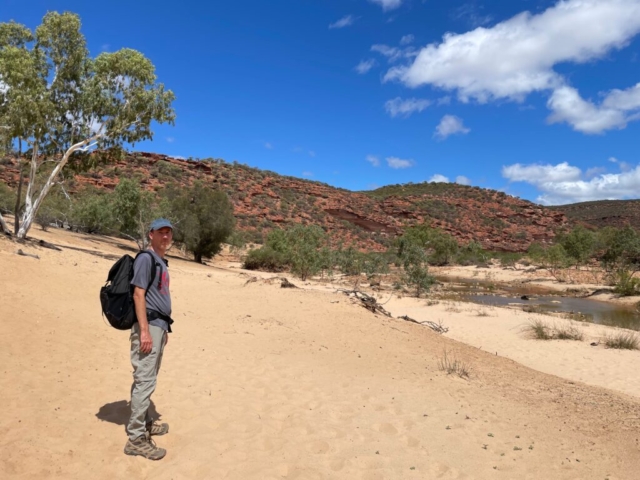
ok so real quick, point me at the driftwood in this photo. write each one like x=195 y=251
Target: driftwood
x=436 y=327
x=367 y=301
x=20 y=252
x=287 y=284
x=44 y=244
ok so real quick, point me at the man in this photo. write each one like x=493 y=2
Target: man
x=149 y=336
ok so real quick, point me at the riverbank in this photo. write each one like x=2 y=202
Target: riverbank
x=580 y=283
x=260 y=382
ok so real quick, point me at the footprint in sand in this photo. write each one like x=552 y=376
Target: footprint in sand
x=318 y=447
x=386 y=428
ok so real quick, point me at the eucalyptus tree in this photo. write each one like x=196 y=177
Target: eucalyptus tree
x=62 y=104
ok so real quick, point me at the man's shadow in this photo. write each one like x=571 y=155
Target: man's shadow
x=120 y=411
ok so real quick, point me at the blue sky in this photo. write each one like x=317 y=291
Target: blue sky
x=537 y=98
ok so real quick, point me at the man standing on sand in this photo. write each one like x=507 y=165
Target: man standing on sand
x=149 y=336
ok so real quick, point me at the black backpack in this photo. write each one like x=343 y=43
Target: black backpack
x=116 y=296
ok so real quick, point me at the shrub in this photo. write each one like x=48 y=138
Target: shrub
x=7 y=199
x=204 y=220
x=266 y=259
x=626 y=284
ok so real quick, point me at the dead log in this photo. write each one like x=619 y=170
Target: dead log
x=287 y=284
x=367 y=301
x=436 y=327
x=44 y=244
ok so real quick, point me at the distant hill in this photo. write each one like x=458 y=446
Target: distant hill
x=602 y=213
x=264 y=200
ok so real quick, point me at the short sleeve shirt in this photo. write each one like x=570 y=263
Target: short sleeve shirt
x=158 y=296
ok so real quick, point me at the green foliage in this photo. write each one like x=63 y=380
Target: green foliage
x=622 y=249
x=133 y=210
x=303 y=245
x=440 y=246
x=625 y=283
x=266 y=259
x=416 y=270
x=61 y=102
x=55 y=209
x=7 y=199
x=203 y=219
x=579 y=244
x=92 y=212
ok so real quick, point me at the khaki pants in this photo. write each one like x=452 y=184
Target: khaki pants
x=145 y=374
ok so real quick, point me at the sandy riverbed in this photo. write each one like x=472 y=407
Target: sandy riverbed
x=269 y=383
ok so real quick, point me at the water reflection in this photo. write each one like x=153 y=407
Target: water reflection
x=584 y=309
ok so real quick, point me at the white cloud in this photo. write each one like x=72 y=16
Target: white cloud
x=365 y=65
x=517 y=57
x=407 y=39
x=595 y=171
x=563 y=183
x=450 y=125
x=171 y=139
x=405 y=108
x=373 y=160
x=446 y=100
x=343 y=22
x=387 y=4
x=538 y=174
x=616 y=109
x=268 y=146
x=471 y=14
x=437 y=178
x=395 y=162
x=567 y=106
x=394 y=54
x=462 y=180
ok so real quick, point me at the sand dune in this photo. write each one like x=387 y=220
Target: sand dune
x=260 y=382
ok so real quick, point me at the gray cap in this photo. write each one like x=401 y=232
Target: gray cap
x=159 y=223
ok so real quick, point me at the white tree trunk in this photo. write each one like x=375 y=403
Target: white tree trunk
x=31 y=207
x=3 y=225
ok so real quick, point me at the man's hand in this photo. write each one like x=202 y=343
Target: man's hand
x=146 y=342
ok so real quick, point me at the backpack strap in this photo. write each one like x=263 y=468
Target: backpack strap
x=154 y=264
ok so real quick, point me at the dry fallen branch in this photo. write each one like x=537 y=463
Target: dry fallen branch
x=44 y=244
x=287 y=284
x=436 y=327
x=251 y=280
x=367 y=301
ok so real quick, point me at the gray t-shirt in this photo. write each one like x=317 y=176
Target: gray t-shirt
x=158 y=296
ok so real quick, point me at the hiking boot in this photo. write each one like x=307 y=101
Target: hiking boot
x=158 y=429
x=143 y=445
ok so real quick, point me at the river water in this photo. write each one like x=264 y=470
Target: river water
x=540 y=300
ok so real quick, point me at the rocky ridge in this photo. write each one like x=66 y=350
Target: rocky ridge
x=264 y=200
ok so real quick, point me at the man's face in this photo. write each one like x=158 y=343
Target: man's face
x=161 y=238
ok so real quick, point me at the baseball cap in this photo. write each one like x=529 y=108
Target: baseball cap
x=159 y=223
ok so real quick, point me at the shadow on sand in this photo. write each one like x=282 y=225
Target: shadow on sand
x=120 y=411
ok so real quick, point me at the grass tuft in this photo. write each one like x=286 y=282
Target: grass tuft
x=623 y=340
x=452 y=365
x=568 y=333
x=539 y=330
